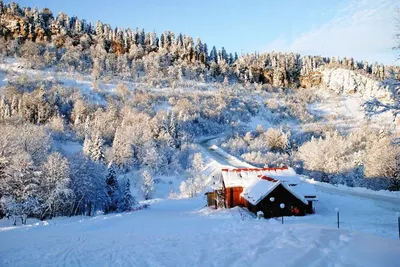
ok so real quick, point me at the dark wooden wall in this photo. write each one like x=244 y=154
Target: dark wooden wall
x=281 y=195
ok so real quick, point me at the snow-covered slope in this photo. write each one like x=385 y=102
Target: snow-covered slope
x=181 y=233
x=344 y=81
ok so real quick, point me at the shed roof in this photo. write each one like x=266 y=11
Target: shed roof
x=258 y=183
x=259 y=189
x=306 y=190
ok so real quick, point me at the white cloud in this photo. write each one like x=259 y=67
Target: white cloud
x=363 y=30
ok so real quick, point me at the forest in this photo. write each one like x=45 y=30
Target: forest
x=71 y=44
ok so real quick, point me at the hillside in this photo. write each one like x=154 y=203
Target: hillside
x=109 y=138
x=137 y=126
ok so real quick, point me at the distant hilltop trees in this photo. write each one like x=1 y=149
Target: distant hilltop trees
x=70 y=43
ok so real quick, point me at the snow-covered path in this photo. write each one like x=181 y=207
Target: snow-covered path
x=220 y=156
x=181 y=233
x=218 y=159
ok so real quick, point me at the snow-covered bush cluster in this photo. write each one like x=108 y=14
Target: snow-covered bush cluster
x=194 y=183
x=262 y=148
x=365 y=157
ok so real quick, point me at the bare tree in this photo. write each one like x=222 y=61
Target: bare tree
x=397 y=33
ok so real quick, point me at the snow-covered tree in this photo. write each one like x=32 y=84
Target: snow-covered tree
x=194 y=183
x=382 y=160
x=19 y=186
x=151 y=158
x=96 y=148
x=88 y=184
x=327 y=156
x=57 y=125
x=147 y=184
x=277 y=140
x=122 y=148
x=17 y=210
x=55 y=185
x=87 y=146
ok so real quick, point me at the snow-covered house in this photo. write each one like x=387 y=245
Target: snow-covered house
x=264 y=190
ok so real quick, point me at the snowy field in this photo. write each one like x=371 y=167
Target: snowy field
x=183 y=233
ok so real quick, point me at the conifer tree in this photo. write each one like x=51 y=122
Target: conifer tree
x=96 y=148
x=214 y=55
x=128 y=200
x=87 y=146
x=112 y=189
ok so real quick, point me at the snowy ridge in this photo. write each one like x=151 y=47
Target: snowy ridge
x=344 y=81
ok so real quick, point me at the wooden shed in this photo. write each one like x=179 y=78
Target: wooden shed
x=211 y=199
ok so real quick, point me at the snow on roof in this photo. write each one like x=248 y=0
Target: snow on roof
x=295 y=193
x=258 y=183
x=257 y=189
x=236 y=177
x=306 y=190
x=239 y=177
x=285 y=174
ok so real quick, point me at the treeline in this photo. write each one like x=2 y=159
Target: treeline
x=70 y=43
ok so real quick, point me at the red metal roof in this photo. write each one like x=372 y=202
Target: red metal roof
x=254 y=169
x=268 y=179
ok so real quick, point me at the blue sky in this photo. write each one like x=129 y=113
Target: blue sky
x=360 y=28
